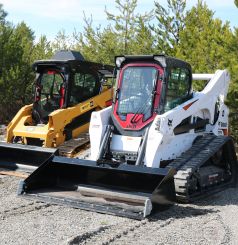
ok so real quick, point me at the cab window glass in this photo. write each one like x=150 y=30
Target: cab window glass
x=84 y=87
x=178 y=87
x=50 y=82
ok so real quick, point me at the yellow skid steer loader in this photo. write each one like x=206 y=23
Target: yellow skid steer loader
x=67 y=90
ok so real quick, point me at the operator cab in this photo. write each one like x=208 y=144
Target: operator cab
x=148 y=86
x=64 y=81
x=49 y=93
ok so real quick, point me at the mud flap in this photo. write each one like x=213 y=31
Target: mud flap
x=24 y=157
x=126 y=190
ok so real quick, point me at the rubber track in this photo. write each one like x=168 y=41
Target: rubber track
x=70 y=147
x=203 y=148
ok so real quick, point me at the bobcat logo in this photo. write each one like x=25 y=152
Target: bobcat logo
x=170 y=122
x=131 y=126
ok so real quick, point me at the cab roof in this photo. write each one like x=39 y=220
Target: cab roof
x=162 y=59
x=72 y=60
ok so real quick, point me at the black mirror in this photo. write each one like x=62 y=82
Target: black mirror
x=114 y=72
x=33 y=89
x=34 y=84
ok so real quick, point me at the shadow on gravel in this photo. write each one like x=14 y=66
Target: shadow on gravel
x=223 y=198
x=208 y=205
x=180 y=212
x=199 y=207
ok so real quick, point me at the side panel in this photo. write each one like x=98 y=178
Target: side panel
x=162 y=147
x=221 y=125
x=163 y=144
x=98 y=123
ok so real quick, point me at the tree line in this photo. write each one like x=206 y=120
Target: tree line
x=194 y=35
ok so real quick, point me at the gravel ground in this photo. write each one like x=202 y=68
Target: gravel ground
x=212 y=221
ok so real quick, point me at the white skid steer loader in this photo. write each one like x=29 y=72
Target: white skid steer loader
x=158 y=142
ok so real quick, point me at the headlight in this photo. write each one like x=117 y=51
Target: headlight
x=119 y=60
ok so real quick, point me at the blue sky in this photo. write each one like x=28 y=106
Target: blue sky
x=49 y=16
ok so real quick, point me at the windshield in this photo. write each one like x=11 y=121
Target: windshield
x=51 y=83
x=136 y=92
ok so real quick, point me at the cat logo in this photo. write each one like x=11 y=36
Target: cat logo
x=87 y=106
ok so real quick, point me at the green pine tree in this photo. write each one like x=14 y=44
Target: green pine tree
x=170 y=22
x=3 y=14
x=236 y=3
x=126 y=23
x=42 y=49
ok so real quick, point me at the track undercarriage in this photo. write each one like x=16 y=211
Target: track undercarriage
x=207 y=167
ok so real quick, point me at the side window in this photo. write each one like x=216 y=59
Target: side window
x=84 y=87
x=178 y=87
x=78 y=80
x=50 y=82
x=90 y=84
